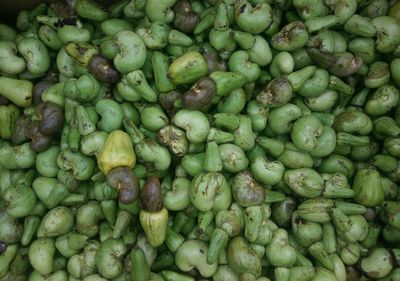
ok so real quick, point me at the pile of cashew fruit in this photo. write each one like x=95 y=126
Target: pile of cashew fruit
x=183 y=140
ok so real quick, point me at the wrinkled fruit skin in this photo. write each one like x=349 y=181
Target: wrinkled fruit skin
x=183 y=140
